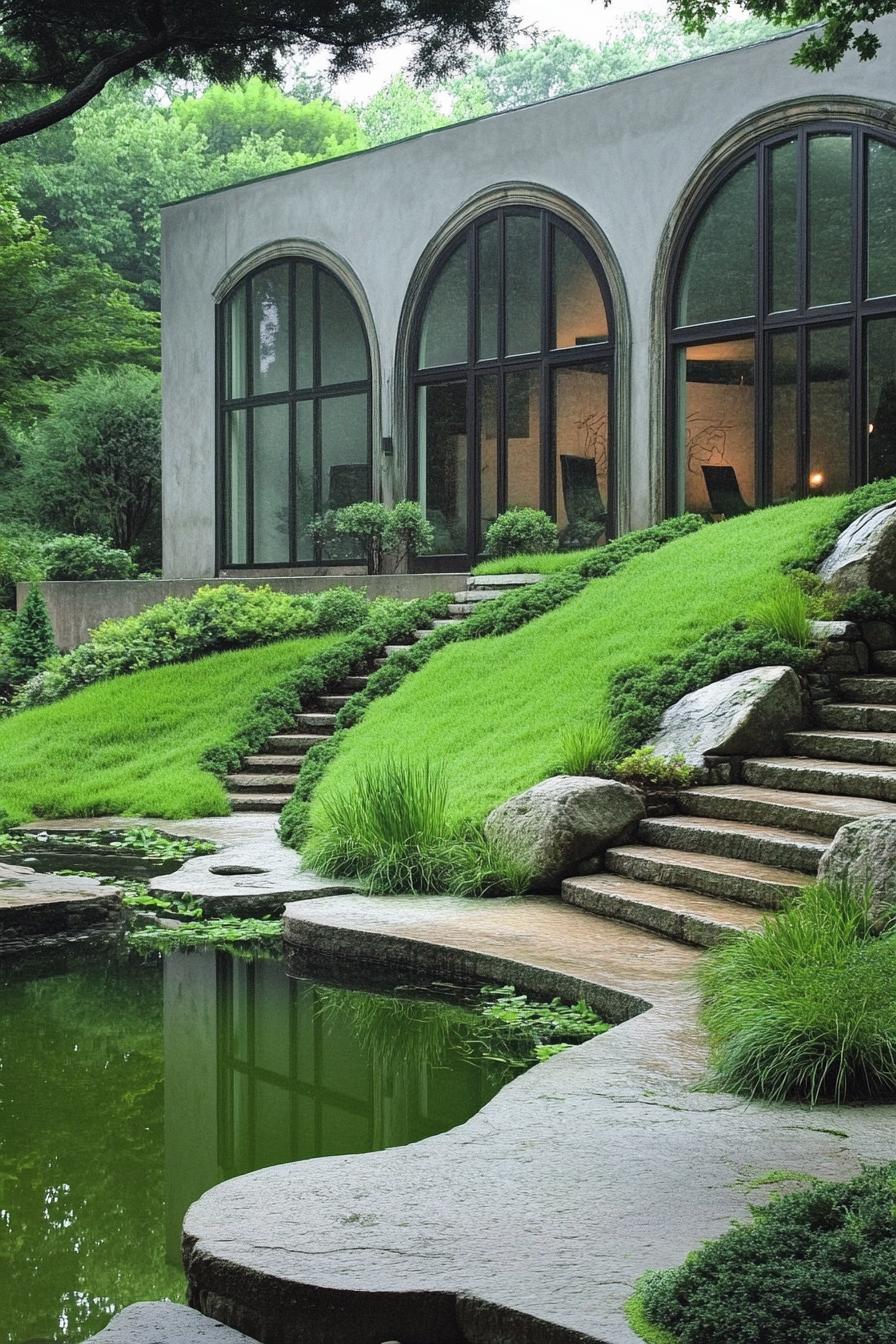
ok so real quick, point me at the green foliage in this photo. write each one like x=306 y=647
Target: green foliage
x=845 y=26
x=373 y=530
x=823 y=602
x=521 y=530
x=548 y=562
x=645 y=769
x=545 y=1024
x=868 y=604
x=587 y=744
x=398 y=110
x=30 y=642
x=21 y=559
x=103 y=431
x=224 y=932
x=851 y=507
x=216 y=617
x=639 y=694
x=815 y=1266
x=785 y=611
x=85 y=557
x=607 y=559
x=805 y=1008
x=224 y=115
x=134 y=746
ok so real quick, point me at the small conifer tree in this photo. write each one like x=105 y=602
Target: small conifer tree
x=30 y=641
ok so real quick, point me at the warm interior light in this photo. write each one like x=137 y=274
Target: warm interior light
x=816 y=478
x=870 y=428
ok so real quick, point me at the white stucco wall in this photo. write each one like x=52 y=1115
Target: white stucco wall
x=624 y=154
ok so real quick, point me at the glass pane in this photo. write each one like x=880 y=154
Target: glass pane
x=783 y=189
x=235 y=469
x=716 y=445
x=442 y=438
x=304 y=324
x=270 y=484
x=487 y=335
x=345 y=473
x=522 y=283
x=881 y=219
x=718 y=277
x=830 y=212
x=783 y=429
x=343 y=345
x=235 y=344
x=487 y=434
x=579 y=313
x=270 y=330
x=881 y=429
x=522 y=432
x=305 y=509
x=443 y=333
x=828 y=410
x=581 y=429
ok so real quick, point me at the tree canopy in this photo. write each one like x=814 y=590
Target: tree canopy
x=65 y=52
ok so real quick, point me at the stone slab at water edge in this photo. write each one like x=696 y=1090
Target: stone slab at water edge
x=562 y=822
x=42 y=910
x=743 y=714
x=254 y=878
x=166 y=1323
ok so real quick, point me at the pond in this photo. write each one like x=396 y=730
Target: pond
x=129 y=1085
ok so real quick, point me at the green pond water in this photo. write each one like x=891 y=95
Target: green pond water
x=128 y=1086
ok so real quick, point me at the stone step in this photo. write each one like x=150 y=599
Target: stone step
x=396 y=648
x=461 y=609
x=293 y=742
x=503 y=580
x=791 y=809
x=814 y=776
x=258 y=802
x=774 y=845
x=474 y=595
x=274 y=764
x=356 y=682
x=710 y=874
x=331 y=704
x=829 y=744
x=869 y=690
x=884 y=660
x=271 y=781
x=320 y=721
x=861 y=717
x=686 y=916
x=444 y=620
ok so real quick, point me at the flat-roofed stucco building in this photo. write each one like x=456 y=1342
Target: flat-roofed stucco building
x=673 y=292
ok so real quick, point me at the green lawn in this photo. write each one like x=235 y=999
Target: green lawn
x=132 y=745
x=545 y=562
x=494 y=710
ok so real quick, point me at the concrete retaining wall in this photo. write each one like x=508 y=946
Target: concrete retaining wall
x=76 y=608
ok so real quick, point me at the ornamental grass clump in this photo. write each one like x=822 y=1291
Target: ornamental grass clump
x=587 y=745
x=804 y=1009
x=785 y=611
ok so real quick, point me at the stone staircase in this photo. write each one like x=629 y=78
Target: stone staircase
x=265 y=780
x=737 y=851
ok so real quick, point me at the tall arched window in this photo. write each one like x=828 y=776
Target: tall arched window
x=783 y=325
x=294 y=377
x=513 y=383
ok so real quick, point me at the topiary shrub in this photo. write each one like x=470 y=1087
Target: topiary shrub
x=521 y=531
x=86 y=557
x=375 y=531
x=30 y=641
x=817 y=1266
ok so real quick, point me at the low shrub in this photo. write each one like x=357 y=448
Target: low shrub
x=805 y=1008
x=645 y=769
x=29 y=643
x=868 y=604
x=817 y=1266
x=87 y=557
x=639 y=695
x=520 y=530
x=375 y=531
x=785 y=611
x=216 y=618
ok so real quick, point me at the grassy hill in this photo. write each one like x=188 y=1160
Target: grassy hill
x=494 y=710
x=132 y=745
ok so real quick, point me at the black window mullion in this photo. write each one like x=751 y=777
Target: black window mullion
x=802 y=223
x=802 y=412
x=546 y=448
x=292 y=416
x=249 y=523
x=760 y=373
x=317 y=477
x=858 y=378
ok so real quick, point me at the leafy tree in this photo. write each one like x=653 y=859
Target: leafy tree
x=78 y=46
x=103 y=432
x=30 y=642
x=316 y=128
x=58 y=314
x=398 y=110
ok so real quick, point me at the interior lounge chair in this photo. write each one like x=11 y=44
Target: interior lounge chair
x=586 y=511
x=725 y=498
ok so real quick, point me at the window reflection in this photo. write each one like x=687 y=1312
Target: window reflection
x=717 y=400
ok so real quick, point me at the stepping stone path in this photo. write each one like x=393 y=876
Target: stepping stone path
x=265 y=780
x=740 y=850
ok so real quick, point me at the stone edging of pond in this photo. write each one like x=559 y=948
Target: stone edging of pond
x=533 y=1220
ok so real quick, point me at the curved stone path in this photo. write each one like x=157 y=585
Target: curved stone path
x=531 y=1222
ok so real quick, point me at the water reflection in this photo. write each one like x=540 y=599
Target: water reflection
x=128 y=1088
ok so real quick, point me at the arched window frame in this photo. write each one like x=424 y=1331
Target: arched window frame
x=546 y=359
x=316 y=394
x=857 y=310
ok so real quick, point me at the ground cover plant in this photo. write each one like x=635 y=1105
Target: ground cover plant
x=493 y=710
x=805 y=1008
x=134 y=745
x=816 y=1266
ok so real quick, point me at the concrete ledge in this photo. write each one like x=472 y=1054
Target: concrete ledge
x=165 y=1323
x=532 y=1221
x=77 y=607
